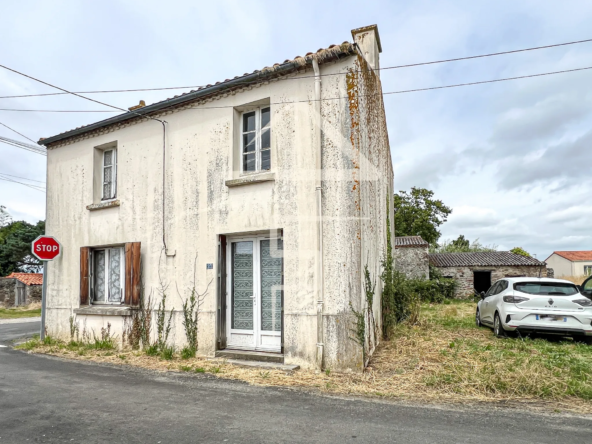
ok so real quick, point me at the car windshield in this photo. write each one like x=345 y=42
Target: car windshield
x=546 y=288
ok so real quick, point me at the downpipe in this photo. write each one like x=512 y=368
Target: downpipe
x=319 y=199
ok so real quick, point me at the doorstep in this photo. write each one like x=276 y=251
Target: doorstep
x=264 y=365
x=244 y=355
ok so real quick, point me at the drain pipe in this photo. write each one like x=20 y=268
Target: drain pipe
x=319 y=196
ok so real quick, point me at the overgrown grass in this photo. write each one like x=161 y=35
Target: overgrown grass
x=20 y=312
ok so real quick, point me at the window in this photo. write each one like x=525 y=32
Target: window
x=546 y=288
x=109 y=175
x=108 y=275
x=588 y=270
x=256 y=140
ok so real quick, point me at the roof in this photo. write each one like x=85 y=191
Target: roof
x=485 y=258
x=574 y=256
x=27 y=278
x=289 y=66
x=410 y=242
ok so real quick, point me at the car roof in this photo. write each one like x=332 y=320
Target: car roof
x=534 y=279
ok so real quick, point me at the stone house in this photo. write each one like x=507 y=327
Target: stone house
x=570 y=263
x=411 y=256
x=477 y=271
x=20 y=289
x=267 y=193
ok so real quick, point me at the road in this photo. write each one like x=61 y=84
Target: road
x=45 y=399
x=13 y=329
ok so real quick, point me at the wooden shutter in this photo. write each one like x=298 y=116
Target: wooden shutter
x=84 y=276
x=221 y=312
x=132 y=274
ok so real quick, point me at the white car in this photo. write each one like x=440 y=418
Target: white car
x=537 y=305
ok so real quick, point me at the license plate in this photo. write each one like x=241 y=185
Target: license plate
x=553 y=318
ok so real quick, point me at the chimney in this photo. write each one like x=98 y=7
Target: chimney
x=368 y=40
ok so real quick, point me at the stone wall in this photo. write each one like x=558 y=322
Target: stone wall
x=34 y=293
x=7 y=291
x=413 y=262
x=464 y=275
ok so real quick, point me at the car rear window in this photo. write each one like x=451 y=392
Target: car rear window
x=546 y=288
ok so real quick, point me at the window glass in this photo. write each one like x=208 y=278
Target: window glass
x=266 y=160
x=588 y=270
x=503 y=286
x=546 y=288
x=107 y=276
x=109 y=168
x=115 y=275
x=242 y=285
x=249 y=122
x=256 y=140
x=492 y=290
x=265 y=118
x=99 y=284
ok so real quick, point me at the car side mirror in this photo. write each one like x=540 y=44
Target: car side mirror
x=482 y=294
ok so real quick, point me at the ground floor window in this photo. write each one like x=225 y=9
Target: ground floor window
x=588 y=270
x=108 y=274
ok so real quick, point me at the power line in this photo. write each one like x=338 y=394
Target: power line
x=20 y=177
x=343 y=97
x=24 y=146
x=25 y=184
x=15 y=131
x=283 y=78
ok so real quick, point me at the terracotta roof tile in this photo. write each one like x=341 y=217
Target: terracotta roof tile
x=28 y=278
x=485 y=258
x=575 y=256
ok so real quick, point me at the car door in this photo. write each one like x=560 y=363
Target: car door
x=587 y=287
x=488 y=306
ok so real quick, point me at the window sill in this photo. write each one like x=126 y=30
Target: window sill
x=252 y=178
x=100 y=206
x=104 y=310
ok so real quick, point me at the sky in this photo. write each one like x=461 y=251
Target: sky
x=512 y=159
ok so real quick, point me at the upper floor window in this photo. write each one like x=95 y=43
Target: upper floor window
x=256 y=140
x=109 y=174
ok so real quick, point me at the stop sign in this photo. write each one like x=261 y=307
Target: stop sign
x=46 y=248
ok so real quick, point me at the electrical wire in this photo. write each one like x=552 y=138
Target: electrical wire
x=20 y=177
x=344 y=97
x=24 y=146
x=22 y=183
x=15 y=131
x=300 y=77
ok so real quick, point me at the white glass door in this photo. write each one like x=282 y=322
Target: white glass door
x=254 y=298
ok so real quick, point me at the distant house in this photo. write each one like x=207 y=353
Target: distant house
x=20 y=289
x=477 y=271
x=411 y=256
x=571 y=263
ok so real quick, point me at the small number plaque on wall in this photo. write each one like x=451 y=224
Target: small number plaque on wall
x=209 y=266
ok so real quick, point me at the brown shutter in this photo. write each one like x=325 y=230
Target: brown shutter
x=84 y=275
x=221 y=312
x=132 y=274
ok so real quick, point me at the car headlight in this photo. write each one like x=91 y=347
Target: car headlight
x=515 y=299
x=584 y=302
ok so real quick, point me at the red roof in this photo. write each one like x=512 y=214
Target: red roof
x=575 y=255
x=28 y=278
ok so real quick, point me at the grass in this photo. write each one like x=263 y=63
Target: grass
x=443 y=357
x=25 y=311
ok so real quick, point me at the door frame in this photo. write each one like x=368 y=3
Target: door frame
x=256 y=332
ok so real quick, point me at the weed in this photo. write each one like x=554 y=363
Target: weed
x=328 y=371
x=167 y=353
x=163 y=325
x=152 y=350
x=185 y=368
x=122 y=357
x=187 y=353
x=106 y=341
x=264 y=375
x=199 y=370
x=214 y=370
x=74 y=329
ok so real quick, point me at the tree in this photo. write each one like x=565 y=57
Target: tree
x=520 y=251
x=5 y=218
x=462 y=245
x=417 y=213
x=15 y=247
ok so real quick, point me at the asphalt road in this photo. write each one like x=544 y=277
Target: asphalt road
x=44 y=399
x=13 y=330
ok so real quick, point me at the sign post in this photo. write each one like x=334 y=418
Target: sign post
x=45 y=248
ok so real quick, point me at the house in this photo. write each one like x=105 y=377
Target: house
x=477 y=271
x=411 y=256
x=20 y=289
x=570 y=263
x=268 y=192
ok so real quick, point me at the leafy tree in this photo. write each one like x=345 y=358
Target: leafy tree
x=15 y=247
x=5 y=218
x=419 y=214
x=520 y=251
x=462 y=245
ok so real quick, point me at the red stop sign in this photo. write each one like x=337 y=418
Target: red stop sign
x=46 y=248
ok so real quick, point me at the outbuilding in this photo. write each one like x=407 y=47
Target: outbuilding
x=477 y=271
x=411 y=256
x=20 y=289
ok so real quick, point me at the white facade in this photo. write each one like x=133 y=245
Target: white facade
x=194 y=196
x=565 y=267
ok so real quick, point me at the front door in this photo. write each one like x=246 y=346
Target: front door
x=254 y=296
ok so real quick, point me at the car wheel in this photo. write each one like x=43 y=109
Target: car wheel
x=478 y=319
x=498 y=328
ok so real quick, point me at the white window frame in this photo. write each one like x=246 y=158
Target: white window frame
x=107 y=251
x=258 y=149
x=587 y=270
x=113 y=166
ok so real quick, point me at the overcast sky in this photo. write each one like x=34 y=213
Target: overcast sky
x=513 y=159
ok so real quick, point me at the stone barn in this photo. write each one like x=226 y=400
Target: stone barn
x=411 y=256
x=477 y=271
x=20 y=289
